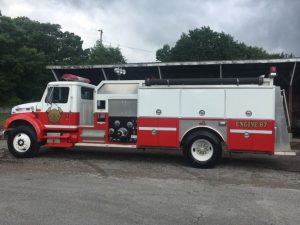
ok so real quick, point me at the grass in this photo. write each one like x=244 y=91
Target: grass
x=3 y=117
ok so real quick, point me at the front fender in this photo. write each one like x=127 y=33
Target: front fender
x=26 y=118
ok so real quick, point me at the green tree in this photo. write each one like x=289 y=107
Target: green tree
x=101 y=54
x=59 y=47
x=26 y=47
x=164 y=54
x=206 y=44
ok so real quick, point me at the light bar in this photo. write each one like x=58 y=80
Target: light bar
x=72 y=77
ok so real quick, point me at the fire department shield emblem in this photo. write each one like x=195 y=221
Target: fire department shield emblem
x=54 y=114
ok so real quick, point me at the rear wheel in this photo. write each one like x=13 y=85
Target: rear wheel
x=202 y=149
x=22 y=142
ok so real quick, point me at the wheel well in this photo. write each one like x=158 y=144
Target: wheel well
x=207 y=129
x=19 y=123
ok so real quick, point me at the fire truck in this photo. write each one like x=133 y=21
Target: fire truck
x=204 y=118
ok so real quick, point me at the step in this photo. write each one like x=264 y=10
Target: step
x=57 y=137
x=286 y=153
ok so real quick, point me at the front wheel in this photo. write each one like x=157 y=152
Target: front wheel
x=22 y=142
x=202 y=149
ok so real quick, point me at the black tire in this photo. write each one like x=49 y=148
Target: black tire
x=193 y=153
x=23 y=148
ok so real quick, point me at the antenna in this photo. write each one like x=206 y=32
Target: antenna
x=101 y=34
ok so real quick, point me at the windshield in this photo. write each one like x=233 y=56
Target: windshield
x=57 y=95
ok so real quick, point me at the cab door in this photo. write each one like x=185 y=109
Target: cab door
x=56 y=108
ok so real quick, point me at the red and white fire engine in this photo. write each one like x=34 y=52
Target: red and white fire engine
x=203 y=117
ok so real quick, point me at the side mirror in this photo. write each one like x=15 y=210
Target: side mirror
x=101 y=104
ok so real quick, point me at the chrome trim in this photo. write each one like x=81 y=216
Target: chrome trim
x=192 y=128
x=158 y=128
x=105 y=145
x=287 y=153
x=61 y=126
x=241 y=131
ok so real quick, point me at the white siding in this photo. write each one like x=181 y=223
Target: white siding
x=209 y=100
x=259 y=101
x=167 y=100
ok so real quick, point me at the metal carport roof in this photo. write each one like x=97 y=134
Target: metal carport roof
x=288 y=73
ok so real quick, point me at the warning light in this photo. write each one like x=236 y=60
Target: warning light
x=71 y=77
x=273 y=71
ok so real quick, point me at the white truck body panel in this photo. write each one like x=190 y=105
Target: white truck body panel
x=260 y=101
x=151 y=100
x=212 y=101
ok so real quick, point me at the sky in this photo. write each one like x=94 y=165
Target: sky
x=140 y=27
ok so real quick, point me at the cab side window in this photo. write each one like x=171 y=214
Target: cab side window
x=57 y=95
x=87 y=93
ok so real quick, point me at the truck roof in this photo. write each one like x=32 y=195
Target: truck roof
x=71 y=83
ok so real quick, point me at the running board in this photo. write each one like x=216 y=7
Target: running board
x=105 y=145
x=287 y=153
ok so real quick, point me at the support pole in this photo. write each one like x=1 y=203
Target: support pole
x=221 y=71
x=291 y=96
x=290 y=106
x=104 y=74
x=54 y=74
x=293 y=73
x=159 y=72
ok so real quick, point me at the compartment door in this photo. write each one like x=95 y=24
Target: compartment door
x=251 y=135
x=167 y=132
x=147 y=132
x=250 y=114
x=158 y=112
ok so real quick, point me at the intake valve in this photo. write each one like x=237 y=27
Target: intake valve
x=122 y=132
x=117 y=123
x=111 y=130
x=129 y=124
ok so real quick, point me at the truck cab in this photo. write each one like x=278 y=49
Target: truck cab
x=66 y=105
x=54 y=121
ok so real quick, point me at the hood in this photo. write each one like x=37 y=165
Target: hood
x=28 y=107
